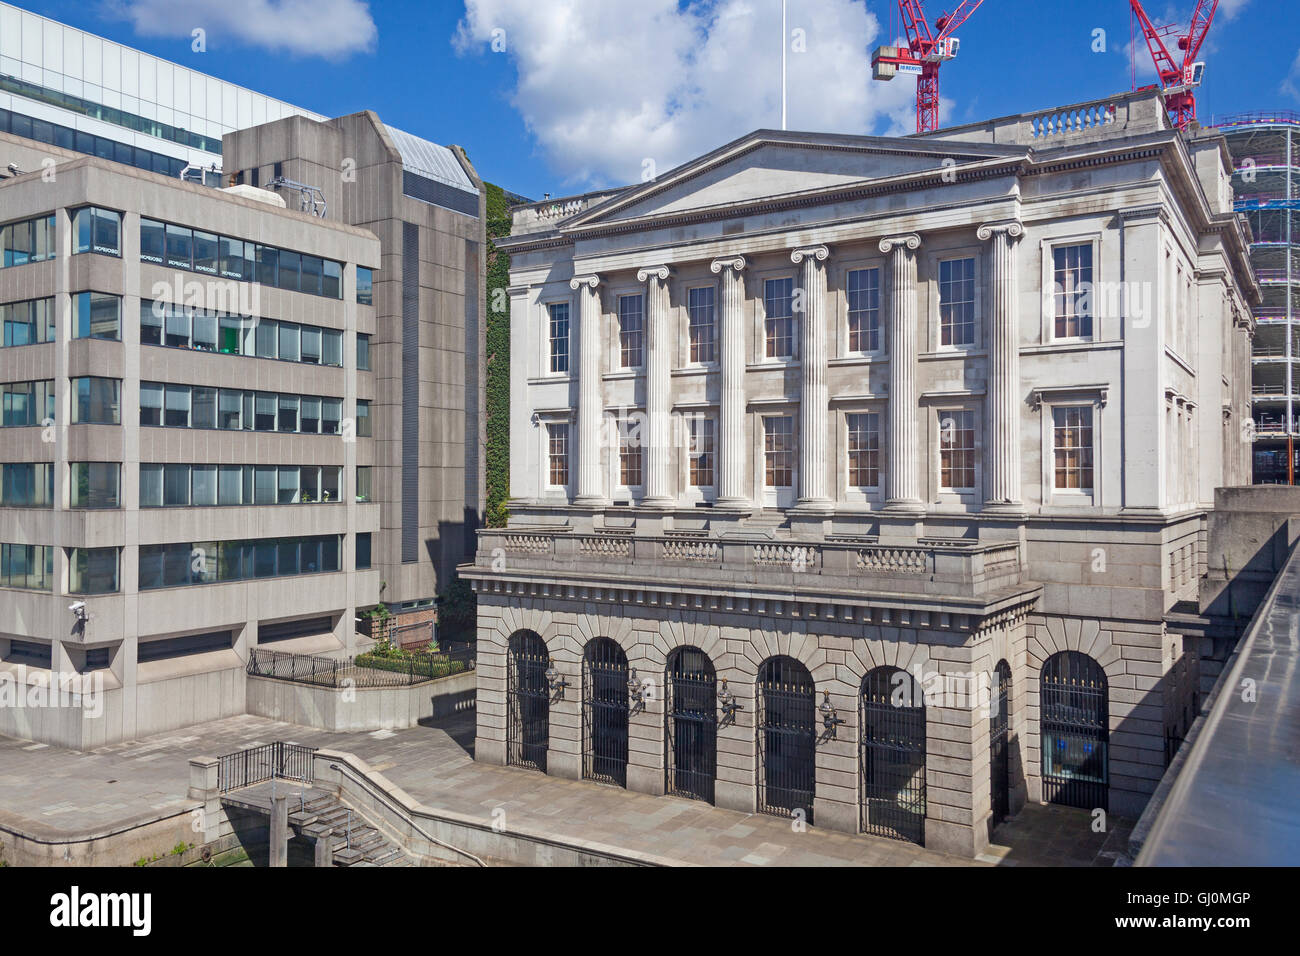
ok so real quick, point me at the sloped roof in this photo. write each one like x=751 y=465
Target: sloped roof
x=430 y=160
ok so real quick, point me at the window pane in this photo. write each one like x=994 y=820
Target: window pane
x=180 y=247
x=289 y=342
x=152 y=240
x=267 y=336
x=178 y=406
x=311 y=346
x=288 y=413
x=206 y=253
x=332 y=349
x=151 y=403
x=203 y=484
x=151 y=323
x=204 y=413
x=230 y=485
x=205 y=331
x=176 y=486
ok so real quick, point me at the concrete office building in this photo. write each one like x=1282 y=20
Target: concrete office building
x=1265 y=149
x=135 y=435
x=853 y=477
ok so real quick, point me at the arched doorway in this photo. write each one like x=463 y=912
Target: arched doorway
x=787 y=738
x=528 y=701
x=999 y=744
x=1075 y=731
x=604 y=712
x=691 y=724
x=893 y=755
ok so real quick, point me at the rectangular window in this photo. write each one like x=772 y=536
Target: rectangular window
x=23 y=404
x=97 y=230
x=557 y=435
x=288 y=420
x=92 y=570
x=778 y=324
x=203 y=410
x=700 y=310
x=288 y=486
x=178 y=407
x=331 y=483
x=957 y=302
x=290 y=338
x=207 y=253
x=312 y=268
x=27 y=566
x=331 y=415
x=309 y=484
x=177 y=327
x=309 y=421
x=204 y=336
x=629 y=453
x=1072 y=290
x=230 y=337
x=229 y=406
x=176 y=486
x=203 y=485
x=265 y=485
x=363 y=352
x=267 y=406
x=27 y=485
x=364 y=429
x=331 y=283
x=151 y=486
x=311 y=345
x=957 y=450
x=631 y=331
x=863 y=293
x=151 y=322
x=31 y=240
x=96 y=401
x=266 y=337
x=778 y=451
x=702 y=450
x=365 y=286
x=27 y=323
x=559 y=336
x=230 y=485
x=180 y=247
x=234 y=264
x=95 y=484
x=864 y=450
x=364 y=478
x=290 y=274
x=153 y=241
x=268 y=259
x=99 y=316
x=363 y=551
x=1072 y=447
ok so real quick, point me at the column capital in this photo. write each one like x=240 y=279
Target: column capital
x=590 y=281
x=911 y=240
x=660 y=272
x=820 y=253
x=728 y=262
x=1013 y=229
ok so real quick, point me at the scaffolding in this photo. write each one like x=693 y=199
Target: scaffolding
x=1265 y=148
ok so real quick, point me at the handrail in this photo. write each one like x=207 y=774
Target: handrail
x=356 y=774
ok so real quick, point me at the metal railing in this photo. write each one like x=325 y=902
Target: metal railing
x=273 y=761
x=365 y=671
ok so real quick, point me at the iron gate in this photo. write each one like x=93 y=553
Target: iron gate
x=692 y=724
x=1075 y=730
x=604 y=712
x=999 y=758
x=528 y=706
x=893 y=755
x=787 y=738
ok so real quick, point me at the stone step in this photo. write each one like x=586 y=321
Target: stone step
x=321 y=804
x=382 y=855
x=347 y=857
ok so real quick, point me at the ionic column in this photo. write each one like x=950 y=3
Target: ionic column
x=1003 y=447
x=590 y=490
x=904 y=479
x=658 y=403
x=731 y=426
x=813 y=397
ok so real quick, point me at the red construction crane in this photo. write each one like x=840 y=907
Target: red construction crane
x=926 y=49
x=1178 y=80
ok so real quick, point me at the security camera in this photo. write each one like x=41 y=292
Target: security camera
x=78 y=607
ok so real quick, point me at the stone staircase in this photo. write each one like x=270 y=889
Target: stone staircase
x=354 y=842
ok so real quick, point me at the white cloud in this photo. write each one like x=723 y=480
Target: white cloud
x=606 y=86
x=1291 y=85
x=326 y=28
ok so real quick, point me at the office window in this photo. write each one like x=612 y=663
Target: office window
x=267 y=406
x=177 y=327
x=778 y=451
x=364 y=428
x=364 y=478
x=27 y=323
x=203 y=407
x=557 y=435
x=700 y=310
x=332 y=348
x=151 y=403
x=957 y=450
x=957 y=302
x=207 y=253
x=629 y=453
x=230 y=485
x=289 y=276
x=153 y=241
x=265 y=485
x=365 y=286
x=31 y=240
x=288 y=413
x=97 y=230
x=331 y=483
x=203 y=485
x=331 y=285
x=363 y=551
x=266 y=337
x=178 y=406
x=631 y=331
x=863 y=293
x=27 y=566
x=864 y=450
x=204 y=335
x=180 y=247
x=290 y=336
x=778 y=324
x=1072 y=447
x=234 y=258
x=151 y=322
x=27 y=485
x=288 y=486
x=702 y=451
x=1072 y=290
x=309 y=420
x=96 y=401
x=331 y=415
x=268 y=260
x=311 y=346
x=92 y=570
x=309 y=484
x=312 y=269
x=363 y=353
x=151 y=486
x=559 y=336
x=95 y=484
x=172 y=565
x=24 y=404
x=230 y=335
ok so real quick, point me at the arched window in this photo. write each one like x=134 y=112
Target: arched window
x=691 y=724
x=604 y=711
x=787 y=738
x=1075 y=731
x=893 y=755
x=528 y=701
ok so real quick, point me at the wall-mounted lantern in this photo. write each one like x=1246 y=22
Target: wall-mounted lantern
x=727 y=701
x=635 y=691
x=554 y=681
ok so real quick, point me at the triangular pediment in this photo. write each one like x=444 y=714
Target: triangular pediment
x=759 y=168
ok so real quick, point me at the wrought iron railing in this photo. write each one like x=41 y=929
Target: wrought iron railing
x=273 y=761
x=365 y=671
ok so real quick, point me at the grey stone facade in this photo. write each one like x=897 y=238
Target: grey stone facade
x=924 y=567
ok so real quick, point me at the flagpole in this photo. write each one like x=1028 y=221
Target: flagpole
x=783 y=45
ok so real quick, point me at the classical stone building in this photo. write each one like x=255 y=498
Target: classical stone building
x=853 y=477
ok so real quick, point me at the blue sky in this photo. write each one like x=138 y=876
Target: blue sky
x=587 y=93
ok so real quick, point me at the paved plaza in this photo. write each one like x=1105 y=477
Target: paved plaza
x=55 y=793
